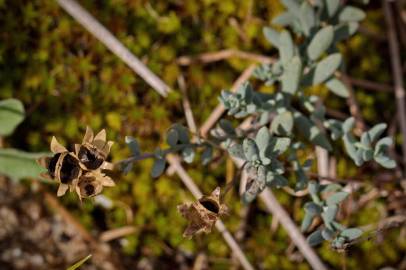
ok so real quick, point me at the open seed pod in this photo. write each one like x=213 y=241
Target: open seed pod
x=91 y=183
x=94 y=149
x=63 y=166
x=202 y=214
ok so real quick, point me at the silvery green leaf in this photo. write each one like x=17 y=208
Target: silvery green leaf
x=264 y=118
x=330 y=213
x=338 y=226
x=183 y=133
x=236 y=150
x=277 y=68
x=284 y=19
x=313 y=208
x=11 y=115
x=301 y=179
x=207 y=155
x=158 y=167
x=332 y=7
x=278 y=146
x=282 y=124
x=250 y=149
x=344 y=31
x=351 y=14
x=385 y=161
x=307 y=221
x=351 y=233
x=133 y=145
x=376 y=131
x=348 y=124
x=286 y=47
x=292 y=6
x=188 y=154
x=276 y=166
x=18 y=164
x=337 y=87
x=307 y=17
x=271 y=35
x=275 y=180
x=337 y=198
x=326 y=68
x=338 y=243
x=382 y=145
x=227 y=127
x=327 y=234
x=365 y=140
x=315 y=238
x=313 y=187
x=172 y=137
x=335 y=127
x=291 y=75
x=320 y=42
x=263 y=138
x=330 y=187
x=311 y=131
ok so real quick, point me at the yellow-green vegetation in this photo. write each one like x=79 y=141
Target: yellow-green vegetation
x=67 y=79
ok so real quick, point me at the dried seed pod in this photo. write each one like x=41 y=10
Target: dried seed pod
x=202 y=214
x=94 y=149
x=63 y=166
x=91 y=183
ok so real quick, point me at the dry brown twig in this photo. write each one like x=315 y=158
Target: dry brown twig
x=114 y=45
x=210 y=57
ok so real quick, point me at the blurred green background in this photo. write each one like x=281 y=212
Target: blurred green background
x=67 y=80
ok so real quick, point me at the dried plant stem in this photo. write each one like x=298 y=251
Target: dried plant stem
x=220 y=109
x=380 y=87
x=117 y=233
x=186 y=105
x=210 y=57
x=353 y=105
x=111 y=42
x=397 y=75
x=274 y=207
x=190 y=184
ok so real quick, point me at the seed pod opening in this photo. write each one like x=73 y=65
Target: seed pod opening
x=70 y=169
x=90 y=157
x=210 y=205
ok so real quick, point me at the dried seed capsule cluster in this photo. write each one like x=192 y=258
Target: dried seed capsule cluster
x=80 y=171
x=202 y=214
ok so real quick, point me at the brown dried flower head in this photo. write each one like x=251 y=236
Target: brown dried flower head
x=202 y=214
x=63 y=166
x=91 y=183
x=80 y=171
x=94 y=149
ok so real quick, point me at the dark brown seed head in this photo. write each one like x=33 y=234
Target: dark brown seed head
x=70 y=169
x=90 y=157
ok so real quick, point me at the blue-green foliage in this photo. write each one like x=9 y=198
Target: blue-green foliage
x=296 y=119
x=313 y=61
